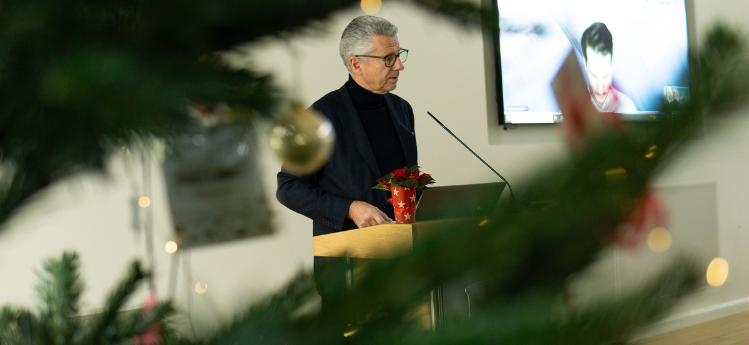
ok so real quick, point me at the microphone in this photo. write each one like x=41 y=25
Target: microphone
x=512 y=195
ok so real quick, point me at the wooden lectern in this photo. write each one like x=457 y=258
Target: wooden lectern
x=384 y=242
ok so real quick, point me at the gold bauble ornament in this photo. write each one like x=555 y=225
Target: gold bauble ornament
x=303 y=140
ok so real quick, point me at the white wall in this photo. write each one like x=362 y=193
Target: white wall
x=445 y=75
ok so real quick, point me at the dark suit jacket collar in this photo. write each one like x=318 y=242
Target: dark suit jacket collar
x=355 y=130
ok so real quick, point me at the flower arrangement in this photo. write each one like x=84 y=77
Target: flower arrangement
x=404 y=183
x=406 y=177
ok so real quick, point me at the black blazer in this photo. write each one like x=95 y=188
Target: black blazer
x=352 y=170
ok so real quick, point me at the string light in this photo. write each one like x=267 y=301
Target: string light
x=201 y=288
x=616 y=174
x=144 y=201
x=371 y=6
x=659 y=240
x=717 y=272
x=651 y=151
x=171 y=247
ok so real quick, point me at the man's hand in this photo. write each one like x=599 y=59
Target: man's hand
x=364 y=214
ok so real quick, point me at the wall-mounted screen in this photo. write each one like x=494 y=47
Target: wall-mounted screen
x=633 y=55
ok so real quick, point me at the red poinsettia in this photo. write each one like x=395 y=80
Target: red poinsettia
x=399 y=174
x=425 y=179
x=406 y=177
x=403 y=184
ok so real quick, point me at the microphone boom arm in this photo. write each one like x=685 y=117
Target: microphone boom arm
x=512 y=195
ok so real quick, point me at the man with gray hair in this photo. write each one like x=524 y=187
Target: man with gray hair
x=374 y=136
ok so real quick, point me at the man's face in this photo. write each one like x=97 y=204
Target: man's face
x=599 y=71
x=373 y=74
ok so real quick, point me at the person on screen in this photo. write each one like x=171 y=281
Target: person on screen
x=598 y=47
x=676 y=96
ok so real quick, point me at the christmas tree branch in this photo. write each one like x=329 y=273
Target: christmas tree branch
x=104 y=330
x=536 y=317
x=60 y=290
x=137 y=323
x=21 y=327
x=272 y=320
x=611 y=322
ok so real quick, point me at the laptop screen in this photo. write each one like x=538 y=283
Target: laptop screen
x=461 y=201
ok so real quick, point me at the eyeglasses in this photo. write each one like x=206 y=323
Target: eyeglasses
x=390 y=59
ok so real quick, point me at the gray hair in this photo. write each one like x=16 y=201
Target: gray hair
x=357 y=37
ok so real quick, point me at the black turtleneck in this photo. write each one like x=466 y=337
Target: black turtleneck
x=378 y=126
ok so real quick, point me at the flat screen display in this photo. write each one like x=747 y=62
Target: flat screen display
x=632 y=53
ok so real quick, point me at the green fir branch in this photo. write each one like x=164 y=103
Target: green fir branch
x=135 y=323
x=464 y=12
x=21 y=327
x=9 y=329
x=60 y=289
x=537 y=317
x=105 y=329
x=272 y=320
